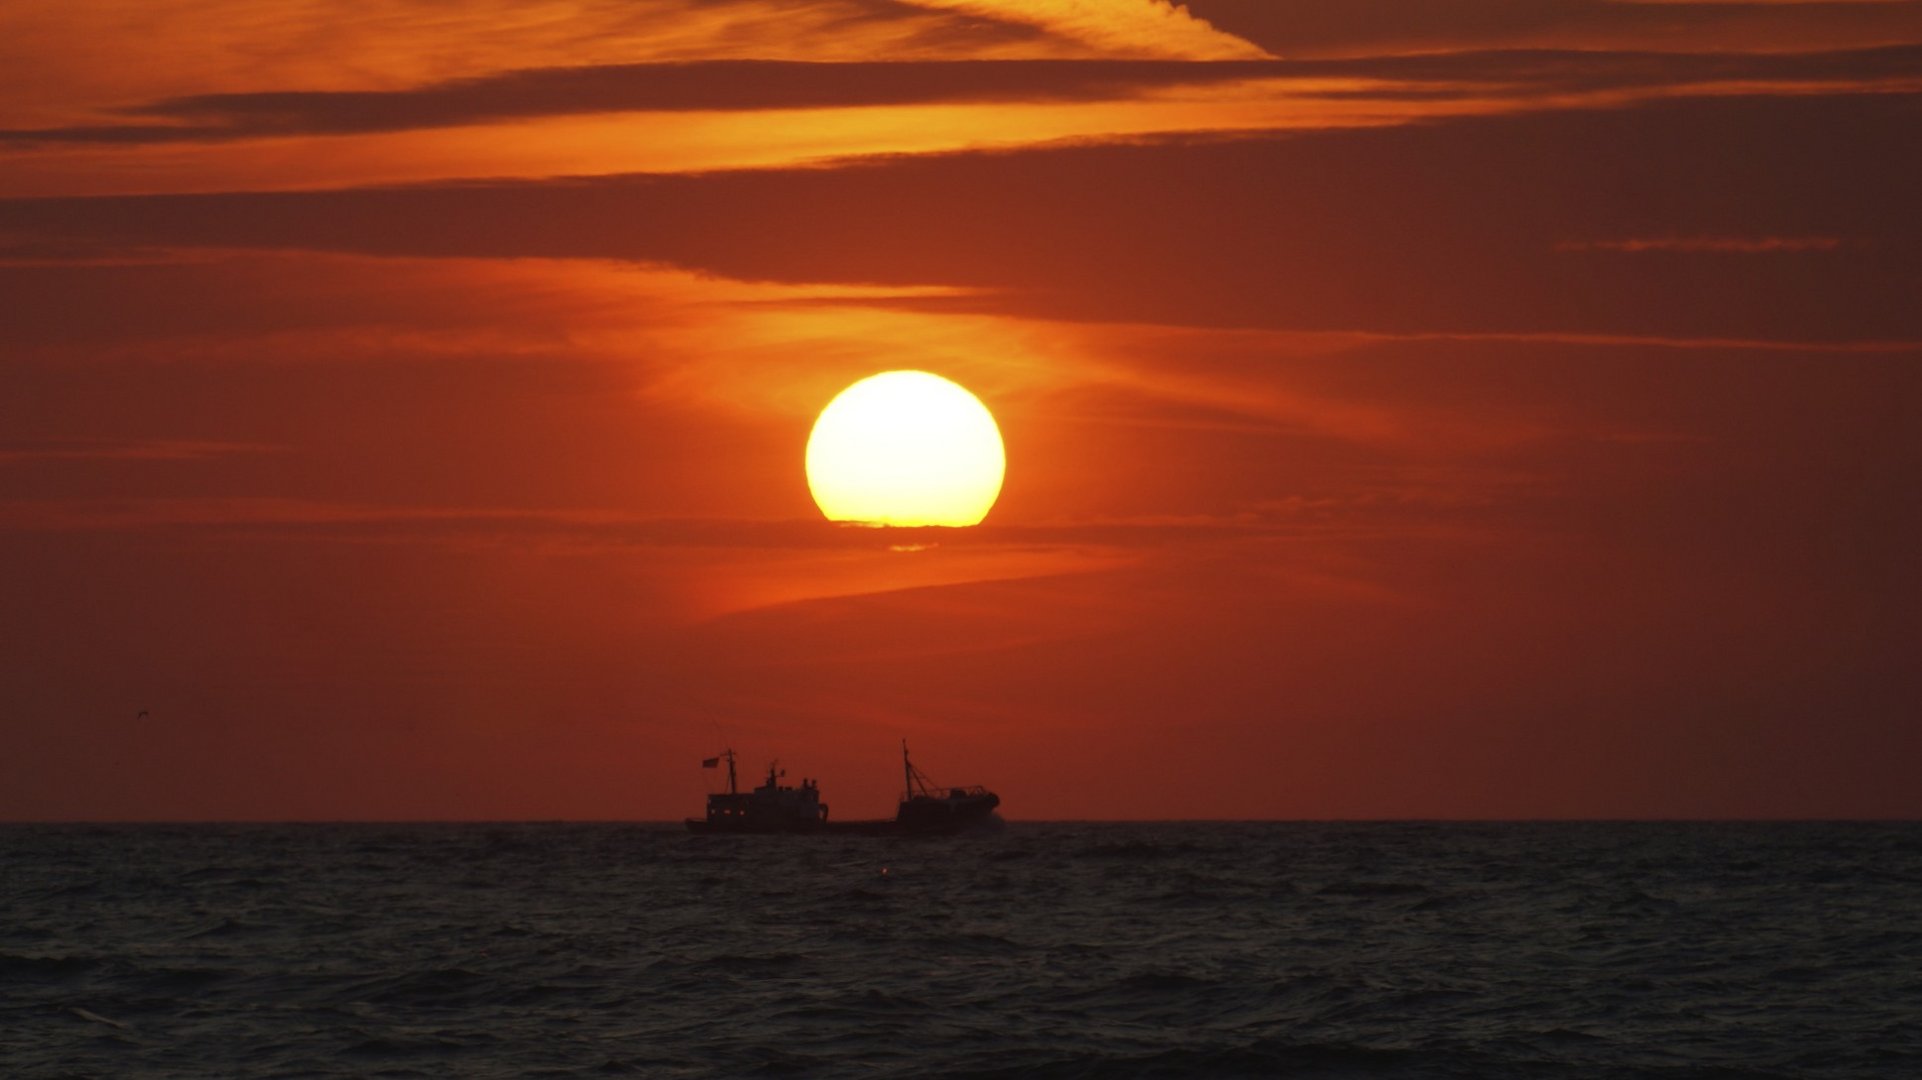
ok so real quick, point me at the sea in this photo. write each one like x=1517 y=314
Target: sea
x=1672 y=950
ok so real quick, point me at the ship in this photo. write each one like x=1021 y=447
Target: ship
x=926 y=809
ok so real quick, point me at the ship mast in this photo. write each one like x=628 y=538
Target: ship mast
x=731 y=788
x=913 y=780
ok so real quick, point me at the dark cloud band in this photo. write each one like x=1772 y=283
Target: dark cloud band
x=745 y=85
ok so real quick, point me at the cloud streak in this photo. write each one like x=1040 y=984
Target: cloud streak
x=746 y=85
x=1364 y=27
x=71 y=450
x=1117 y=27
x=1305 y=232
x=721 y=85
x=57 y=61
x=1720 y=245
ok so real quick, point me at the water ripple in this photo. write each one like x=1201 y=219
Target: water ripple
x=1418 y=950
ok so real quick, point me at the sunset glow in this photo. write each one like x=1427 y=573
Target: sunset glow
x=1404 y=411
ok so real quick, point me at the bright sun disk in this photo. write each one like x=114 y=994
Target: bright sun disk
x=905 y=448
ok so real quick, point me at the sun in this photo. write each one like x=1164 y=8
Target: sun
x=905 y=448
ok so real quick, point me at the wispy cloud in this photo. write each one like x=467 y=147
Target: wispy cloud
x=1715 y=245
x=1290 y=228
x=720 y=85
x=67 y=450
x=1394 y=503
x=1117 y=27
x=1424 y=83
x=58 y=61
x=362 y=520
x=1374 y=27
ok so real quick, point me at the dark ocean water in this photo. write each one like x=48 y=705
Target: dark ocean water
x=1487 y=951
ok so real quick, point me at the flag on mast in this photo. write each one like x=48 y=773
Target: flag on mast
x=711 y=763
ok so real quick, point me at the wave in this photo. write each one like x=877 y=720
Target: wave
x=1492 y=952
x=1372 y=888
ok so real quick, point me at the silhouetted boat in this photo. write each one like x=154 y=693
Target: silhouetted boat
x=771 y=808
x=774 y=807
x=927 y=808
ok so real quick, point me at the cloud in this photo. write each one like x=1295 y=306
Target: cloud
x=746 y=85
x=554 y=122
x=1551 y=75
x=608 y=528
x=68 y=450
x=1373 y=27
x=58 y=61
x=722 y=85
x=1718 y=245
x=1117 y=27
x=1442 y=228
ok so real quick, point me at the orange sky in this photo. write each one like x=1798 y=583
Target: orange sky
x=1485 y=409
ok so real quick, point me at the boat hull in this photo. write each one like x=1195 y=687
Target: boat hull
x=928 y=825
x=946 y=815
x=752 y=828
